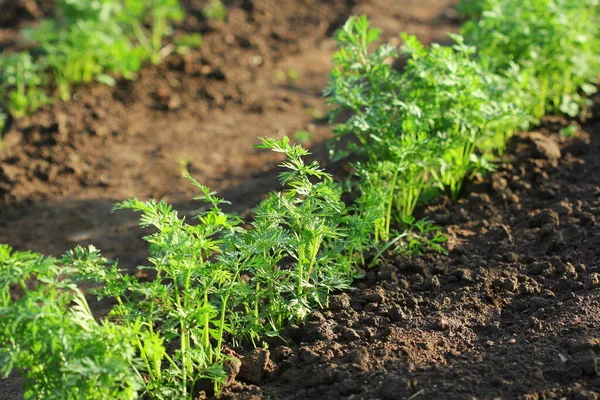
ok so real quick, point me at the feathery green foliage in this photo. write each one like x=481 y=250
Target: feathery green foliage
x=418 y=132
x=86 y=40
x=547 y=48
x=50 y=336
x=215 y=281
x=22 y=81
x=421 y=131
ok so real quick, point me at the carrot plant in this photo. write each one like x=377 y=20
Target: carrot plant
x=456 y=109
x=3 y=118
x=296 y=248
x=183 y=308
x=86 y=50
x=471 y=8
x=366 y=85
x=216 y=10
x=423 y=130
x=159 y=14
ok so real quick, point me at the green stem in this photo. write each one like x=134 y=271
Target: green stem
x=141 y=37
x=145 y=359
x=300 y=268
x=315 y=245
x=157 y=33
x=206 y=332
x=390 y=201
x=182 y=332
x=224 y=300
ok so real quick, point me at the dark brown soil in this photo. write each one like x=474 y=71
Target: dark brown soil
x=511 y=312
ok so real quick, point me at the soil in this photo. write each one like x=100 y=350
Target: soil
x=511 y=312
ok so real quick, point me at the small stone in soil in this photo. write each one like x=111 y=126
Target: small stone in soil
x=544 y=146
x=592 y=280
x=339 y=302
x=544 y=217
x=586 y=362
x=442 y=323
x=253 y=366
x=395 y=313
x=538 y=267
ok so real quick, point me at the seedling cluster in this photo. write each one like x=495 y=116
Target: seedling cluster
x=419 y=133
x=84 y=41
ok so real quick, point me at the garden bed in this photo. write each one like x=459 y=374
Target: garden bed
x=511 y=311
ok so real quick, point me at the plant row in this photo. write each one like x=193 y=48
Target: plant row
x=90 y=40
x=419 y=132
x=422 y=130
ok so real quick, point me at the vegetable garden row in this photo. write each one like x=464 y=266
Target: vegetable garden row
x=91 y=41
x=419 y=133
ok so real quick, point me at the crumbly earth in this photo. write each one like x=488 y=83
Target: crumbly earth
x=511 y=312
